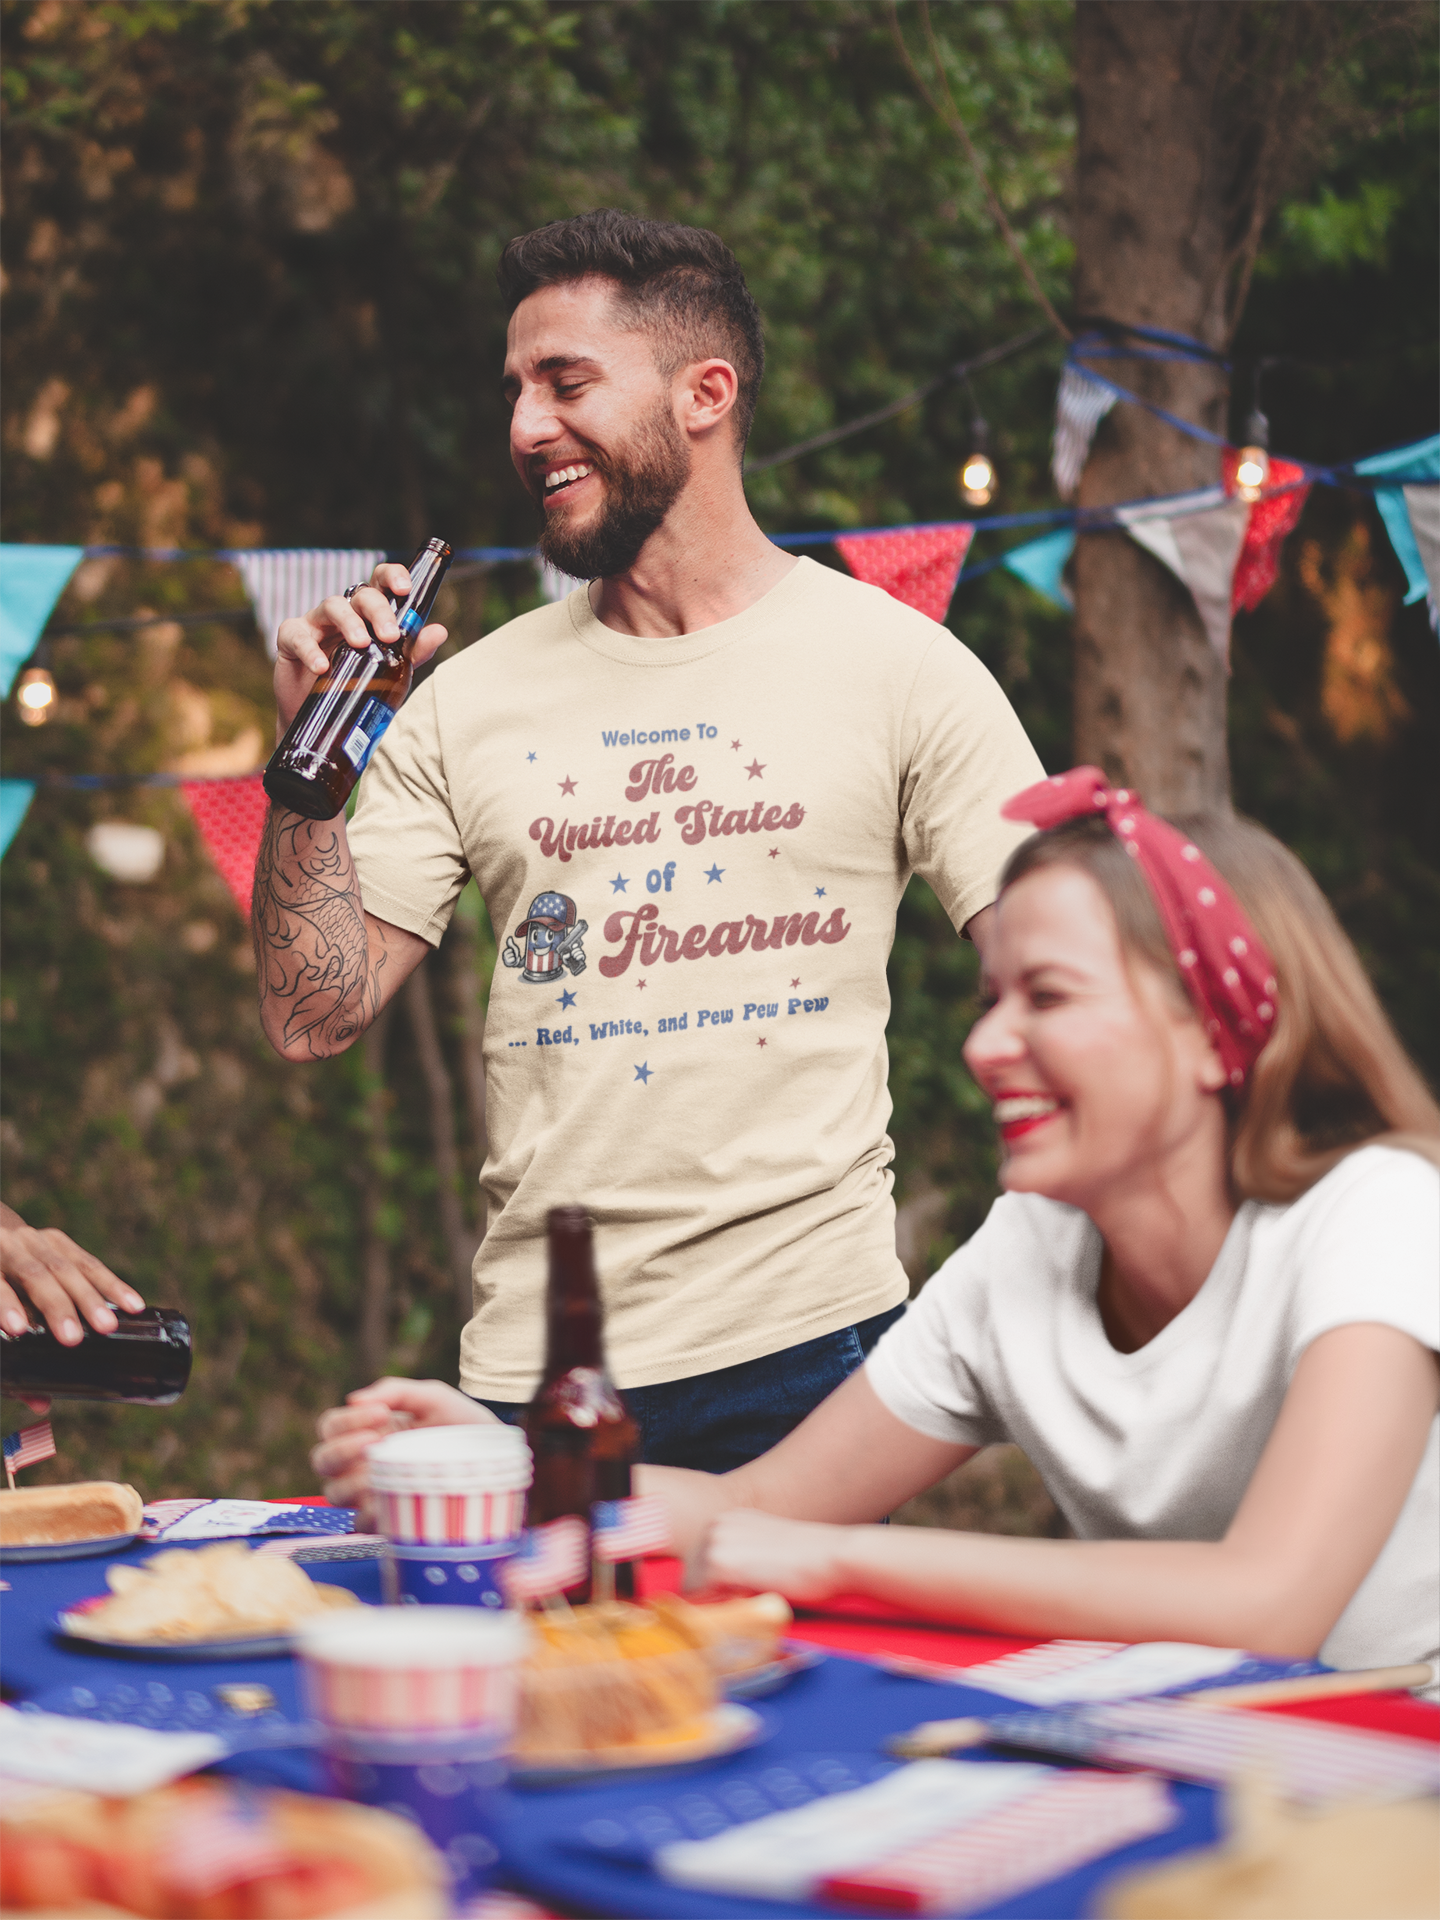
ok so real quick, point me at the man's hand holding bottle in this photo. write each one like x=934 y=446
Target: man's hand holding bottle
x=308 y=641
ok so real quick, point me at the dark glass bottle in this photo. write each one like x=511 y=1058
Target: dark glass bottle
x=314 y=769
x=145 y=1362
x=580 y=1432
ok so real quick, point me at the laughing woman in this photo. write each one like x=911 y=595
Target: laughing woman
x=1206 y=1304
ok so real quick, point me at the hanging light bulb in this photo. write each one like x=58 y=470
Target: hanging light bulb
x=1253 y=469
x=977 y=476
x=35 y=696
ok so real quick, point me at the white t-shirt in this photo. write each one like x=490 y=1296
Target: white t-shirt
x=692 y=850
x=1006 y=1343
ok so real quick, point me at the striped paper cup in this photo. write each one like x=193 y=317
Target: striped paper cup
x=451 y=1486
x=451 y=1672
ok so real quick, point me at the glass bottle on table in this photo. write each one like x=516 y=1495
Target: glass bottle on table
x=580 y=1432
x=314 y=769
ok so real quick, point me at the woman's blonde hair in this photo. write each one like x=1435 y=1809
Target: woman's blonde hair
x=1334 y=1075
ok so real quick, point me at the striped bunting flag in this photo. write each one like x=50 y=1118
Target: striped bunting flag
x=282 y=581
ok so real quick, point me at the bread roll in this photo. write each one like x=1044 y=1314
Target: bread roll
x=57 y=1516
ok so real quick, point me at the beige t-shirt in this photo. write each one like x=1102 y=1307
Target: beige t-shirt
x=692 y=851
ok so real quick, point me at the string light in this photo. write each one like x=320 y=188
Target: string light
x=977 y=476
x=35 y=696
x=1253 y=468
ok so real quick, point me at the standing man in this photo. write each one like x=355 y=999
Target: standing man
x=692 y=795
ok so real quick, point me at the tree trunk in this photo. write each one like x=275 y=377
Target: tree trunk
x=1157 y=224
x=460 y=1243
x=375 y=1252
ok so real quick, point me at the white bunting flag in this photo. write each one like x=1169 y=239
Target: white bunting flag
x=282 y=581
x=1198 y=536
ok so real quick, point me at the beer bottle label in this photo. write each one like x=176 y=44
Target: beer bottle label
x=371 y=721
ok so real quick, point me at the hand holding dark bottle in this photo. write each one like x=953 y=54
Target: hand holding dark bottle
x=62 y=1281
x=307 y=641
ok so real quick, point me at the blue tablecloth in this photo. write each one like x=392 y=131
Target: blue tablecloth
x=577 y=1847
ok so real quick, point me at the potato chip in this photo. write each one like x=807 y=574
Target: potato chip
x=220 y=1592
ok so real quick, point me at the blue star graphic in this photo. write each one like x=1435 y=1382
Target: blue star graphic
x=619 y=883
x=567 y=999
x=643 y=1073
x=819 y=893
x=714 y=873
x=529 y=756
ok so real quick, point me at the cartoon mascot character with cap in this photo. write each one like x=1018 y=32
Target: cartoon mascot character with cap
x=552 y=937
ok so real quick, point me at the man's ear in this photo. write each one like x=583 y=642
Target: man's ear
x=706 y=392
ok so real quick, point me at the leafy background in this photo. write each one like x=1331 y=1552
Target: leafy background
x=249 y=299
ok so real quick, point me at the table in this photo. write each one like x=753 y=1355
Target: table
x=844 y=1707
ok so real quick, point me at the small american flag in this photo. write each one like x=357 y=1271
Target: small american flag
x=626 y=1529
x=28 y=1447
x=210 y=1848
x=551 y=1558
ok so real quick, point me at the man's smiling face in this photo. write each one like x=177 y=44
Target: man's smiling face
x=593 y=432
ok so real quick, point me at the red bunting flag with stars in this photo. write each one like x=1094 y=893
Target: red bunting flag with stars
x=1271 y=519
x=231 y=817
x=918 y=565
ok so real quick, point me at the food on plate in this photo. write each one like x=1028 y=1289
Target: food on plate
x=215 y=1850
x=615 y=1676
x=59 y=1516
x=736 y=1636
x=223 y=1592
x=610 y=1676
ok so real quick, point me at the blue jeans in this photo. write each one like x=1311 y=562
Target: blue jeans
x=716 y=1421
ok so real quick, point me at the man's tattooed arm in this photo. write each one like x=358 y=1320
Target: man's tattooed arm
x=326 y=966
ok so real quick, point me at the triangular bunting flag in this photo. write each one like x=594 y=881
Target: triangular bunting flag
x=1271 y=519
x=32 y=579
x=1412 y=515
x=918 y=565
x=15 y=798
x=231 y=817
x=1080 y=405
x=554 y=584
x=1198 y=536
x=1041 y=564
x=282 y=581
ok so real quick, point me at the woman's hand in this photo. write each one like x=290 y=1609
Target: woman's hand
x=387 y=1406
x=765 y=1554
x=61 y=1279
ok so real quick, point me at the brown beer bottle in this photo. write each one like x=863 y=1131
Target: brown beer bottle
x=314 y=769
x=583 y=1439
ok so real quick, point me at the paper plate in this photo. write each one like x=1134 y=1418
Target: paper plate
x=71 y=1549
x=727 y=1729
x=795 y=1658
x=70 y=1624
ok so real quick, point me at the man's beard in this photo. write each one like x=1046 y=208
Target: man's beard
x=641 y=486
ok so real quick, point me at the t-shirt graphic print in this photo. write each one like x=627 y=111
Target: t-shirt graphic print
x=692 y=851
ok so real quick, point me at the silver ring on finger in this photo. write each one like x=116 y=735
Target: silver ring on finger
x=350 y=592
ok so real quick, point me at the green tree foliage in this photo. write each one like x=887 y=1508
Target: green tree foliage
x=250 y=300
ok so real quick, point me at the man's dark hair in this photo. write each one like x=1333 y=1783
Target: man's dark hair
x=682 y=284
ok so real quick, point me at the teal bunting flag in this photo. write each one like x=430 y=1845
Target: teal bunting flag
x=32 y=579
x=1040 y=564
x=1409 y=514
x=15 y=798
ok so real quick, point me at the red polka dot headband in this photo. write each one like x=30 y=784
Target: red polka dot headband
x=1222 y=959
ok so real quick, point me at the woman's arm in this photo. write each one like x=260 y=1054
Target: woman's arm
x=849 y=1460
x=1320 y=1506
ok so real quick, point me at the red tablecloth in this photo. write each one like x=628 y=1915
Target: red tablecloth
x=861 y=1626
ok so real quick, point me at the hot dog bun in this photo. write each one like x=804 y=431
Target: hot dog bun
x=58 y=1516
